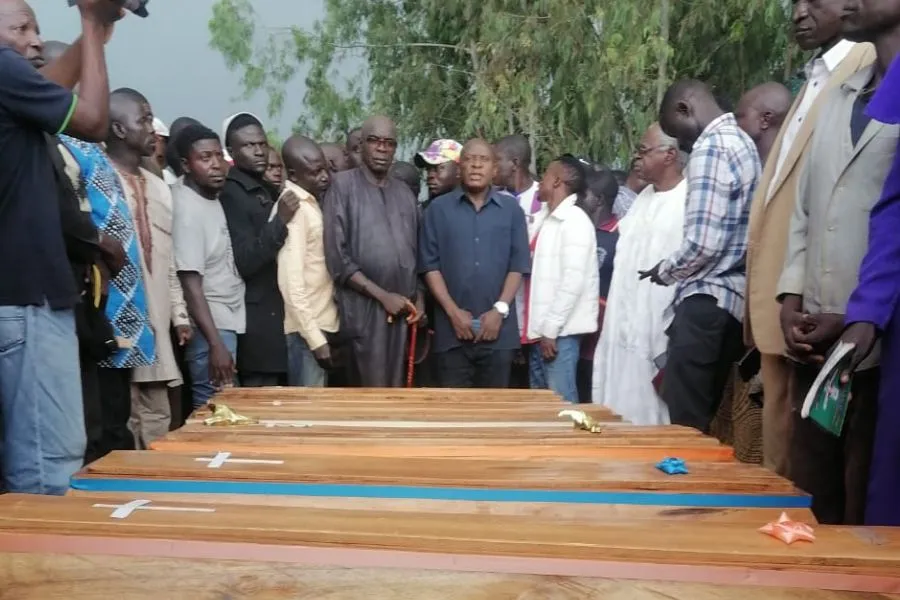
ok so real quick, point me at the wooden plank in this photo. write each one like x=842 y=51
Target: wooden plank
x=601 y=482
x=556 y=433
x=49 y=576
x=481 y=543
x=574 y=513
x=401 y=411
x=519 y=448
x=435 y=394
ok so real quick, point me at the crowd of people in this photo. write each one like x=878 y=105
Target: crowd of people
x=158 y=264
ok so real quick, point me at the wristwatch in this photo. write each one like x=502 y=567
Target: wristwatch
x=502 y=308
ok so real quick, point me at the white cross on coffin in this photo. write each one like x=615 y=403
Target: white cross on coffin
x=225 y=457
x=123 y=511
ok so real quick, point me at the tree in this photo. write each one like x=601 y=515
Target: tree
x=582 y=76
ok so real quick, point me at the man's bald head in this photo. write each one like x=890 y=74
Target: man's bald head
x=379 y=126
x=337 y=156
x=19 y=30
x=513 y=160
x=761 y=112
x=763 y=106
x=124 y=100
x=299 y=149
x=687 y=108
x=306 y=166
x=379 y=144
x=130 y=123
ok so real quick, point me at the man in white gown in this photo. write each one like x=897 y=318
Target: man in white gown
x=633 y=337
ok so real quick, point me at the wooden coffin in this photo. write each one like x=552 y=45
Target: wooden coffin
x=387 y=394
x=97 y=544
x=575 y=513
x=617 y=443
x=427 y=413
x=709 y=484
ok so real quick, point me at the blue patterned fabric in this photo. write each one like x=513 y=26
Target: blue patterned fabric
x=722 y=173
x=126 y=306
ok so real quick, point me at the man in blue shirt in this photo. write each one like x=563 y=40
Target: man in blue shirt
x=43 y=424
x=473 y=252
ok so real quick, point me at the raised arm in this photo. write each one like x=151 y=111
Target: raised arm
x=253 y=248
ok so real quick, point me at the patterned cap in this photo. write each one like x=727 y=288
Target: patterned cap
x=438 y=153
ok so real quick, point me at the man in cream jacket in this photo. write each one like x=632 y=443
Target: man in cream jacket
x=310 y=312
x=565 y=281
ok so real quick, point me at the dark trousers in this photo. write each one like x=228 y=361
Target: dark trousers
x=93 y=408
x=584 y=378
x=704 y=343
x=255 y=379
x=518 y=377
x=835 y=470
x=474 y=366
x=115 y=401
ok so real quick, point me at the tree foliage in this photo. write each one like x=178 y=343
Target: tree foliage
x=579 y=76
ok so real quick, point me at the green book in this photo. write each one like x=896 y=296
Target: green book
x=827 y=400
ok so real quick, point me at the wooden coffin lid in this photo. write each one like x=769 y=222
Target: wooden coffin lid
x=837 y=550
x=717 y=478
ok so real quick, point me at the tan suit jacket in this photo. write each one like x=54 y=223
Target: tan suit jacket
x=770 y=216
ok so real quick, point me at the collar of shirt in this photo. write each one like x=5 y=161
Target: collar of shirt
x=250 y=184
x=831 y=59
x=726 y=119
x=565 y=208
x=493 y=196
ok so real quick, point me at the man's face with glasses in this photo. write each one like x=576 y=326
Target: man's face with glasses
x=650 y=157
x=379 y=145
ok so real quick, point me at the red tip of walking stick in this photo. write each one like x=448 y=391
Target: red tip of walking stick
x=411 y=359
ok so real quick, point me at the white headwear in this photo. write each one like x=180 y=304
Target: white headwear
x=159 y=128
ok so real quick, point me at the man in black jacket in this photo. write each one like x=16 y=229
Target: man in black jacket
x=256 y=239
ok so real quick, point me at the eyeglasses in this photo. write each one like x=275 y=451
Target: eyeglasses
x=388 y=143
x=642 y=152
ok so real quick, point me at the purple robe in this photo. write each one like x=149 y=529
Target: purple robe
x=876 y=300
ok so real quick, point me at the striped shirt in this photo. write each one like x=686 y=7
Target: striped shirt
x=723 y=171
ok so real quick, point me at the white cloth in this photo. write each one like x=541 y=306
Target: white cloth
x=533 y=220
x=634 y=325
x=170 y=177
x=818 y=72
x=565 y=279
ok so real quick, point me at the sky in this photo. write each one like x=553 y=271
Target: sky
x=167 y=56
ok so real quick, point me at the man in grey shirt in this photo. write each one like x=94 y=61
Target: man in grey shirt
x=213 y=289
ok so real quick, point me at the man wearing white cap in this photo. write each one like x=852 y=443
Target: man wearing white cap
x=441 y=163
x=159 y=156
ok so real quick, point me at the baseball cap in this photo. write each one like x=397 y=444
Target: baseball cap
x=438 y=153
x=159 y=128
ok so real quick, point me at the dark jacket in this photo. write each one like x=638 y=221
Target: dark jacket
x=256 y=240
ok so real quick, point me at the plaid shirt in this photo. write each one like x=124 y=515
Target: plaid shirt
x=723 y=171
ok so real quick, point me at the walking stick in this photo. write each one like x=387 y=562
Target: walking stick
x=411 y=361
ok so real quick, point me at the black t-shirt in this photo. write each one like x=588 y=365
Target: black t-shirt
x=34 y=268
